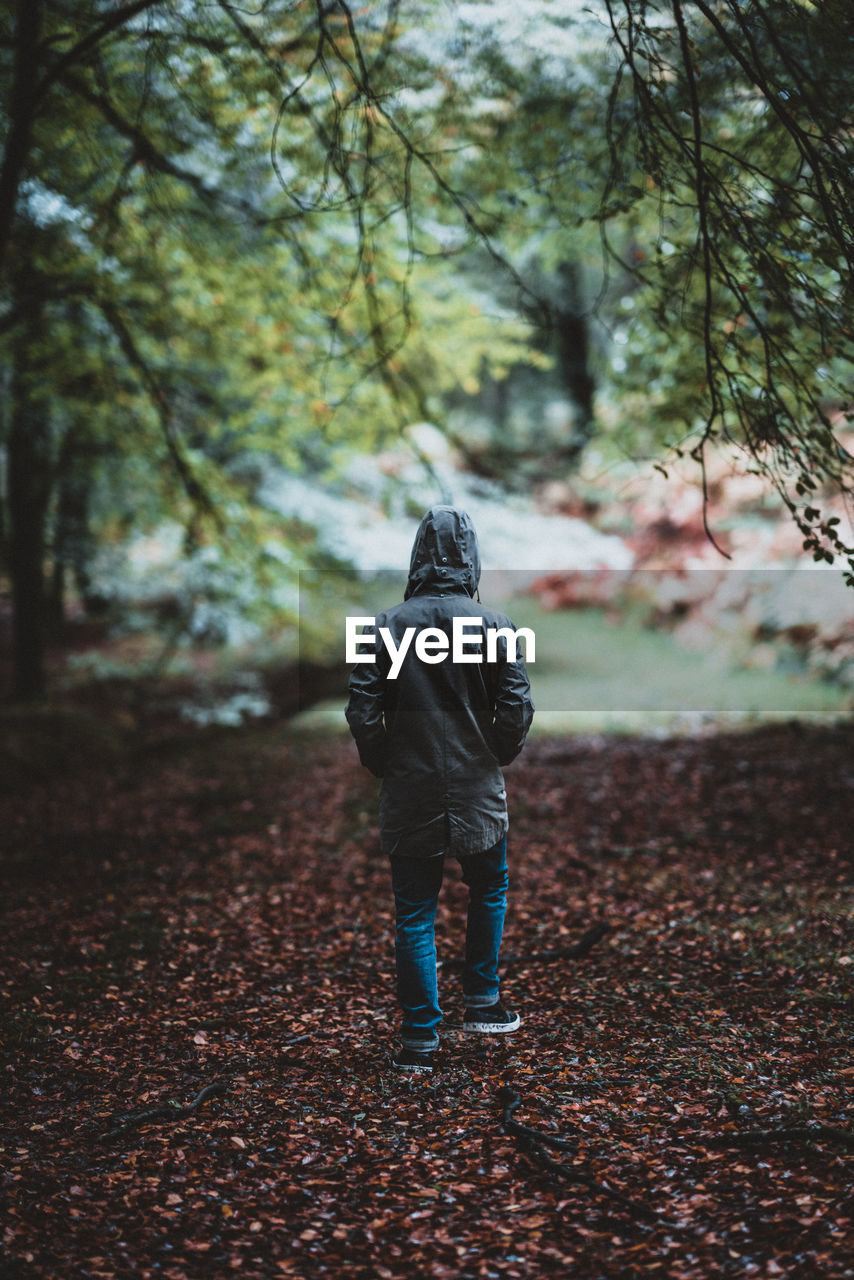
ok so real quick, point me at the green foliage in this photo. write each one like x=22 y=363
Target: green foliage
x=738 y=244
x=193 y=311
x=740 y=239
x=692 y=163
x=232 y=236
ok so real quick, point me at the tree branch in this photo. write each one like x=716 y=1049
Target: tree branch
x=358 y=75
x=192 y=487
x=804 y=142
x=788 y=1133
x=170 y=1111
x=533 y=1142
x=577 y=951
x=146 y=152
x=78 y=51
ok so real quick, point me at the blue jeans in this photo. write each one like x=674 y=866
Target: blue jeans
x=416 y=883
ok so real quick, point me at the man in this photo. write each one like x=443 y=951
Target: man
x=437 y=731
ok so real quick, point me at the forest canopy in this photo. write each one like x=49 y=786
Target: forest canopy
x=236 y=235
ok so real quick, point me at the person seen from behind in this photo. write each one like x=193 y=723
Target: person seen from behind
x=438 y=733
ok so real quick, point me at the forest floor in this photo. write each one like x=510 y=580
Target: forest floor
x=199 y=1012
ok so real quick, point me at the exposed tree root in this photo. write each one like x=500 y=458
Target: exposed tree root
x=534 y=1142
x=789 y=1133
x=169 y=1111
x=576 y=951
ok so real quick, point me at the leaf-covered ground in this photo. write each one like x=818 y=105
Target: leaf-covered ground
x=216 y=913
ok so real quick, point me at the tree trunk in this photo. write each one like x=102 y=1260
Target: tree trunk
x=73 y=543
x=573 y=351
x=29 y=479
x=22 y=107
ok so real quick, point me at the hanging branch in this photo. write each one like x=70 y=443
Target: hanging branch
x=360 y=77
x=780 y=410
x=194 y=489
x=88 y=43
x=145 y=152
x=802 y=138
x=716 y=412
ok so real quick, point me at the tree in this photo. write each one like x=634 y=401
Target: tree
x=741 y=118
x=172 y=300
x=712 y=154
x=227 y=232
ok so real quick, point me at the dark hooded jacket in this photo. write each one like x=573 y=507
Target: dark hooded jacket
x=439 y=733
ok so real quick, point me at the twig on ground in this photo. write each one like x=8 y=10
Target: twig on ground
x=576 y=951
x=534 y=1143
x=511 y=1102
x=791 y=1133
x=169 y=1111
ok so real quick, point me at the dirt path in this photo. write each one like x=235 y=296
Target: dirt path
x=219 y=915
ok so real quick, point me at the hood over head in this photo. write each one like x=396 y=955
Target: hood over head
x=445 y=553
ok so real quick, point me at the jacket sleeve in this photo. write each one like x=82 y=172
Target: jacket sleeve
x=364 y=710
x=514 y=707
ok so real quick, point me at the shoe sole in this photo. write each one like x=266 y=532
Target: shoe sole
x=492 y=1028
x=425 y=1071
